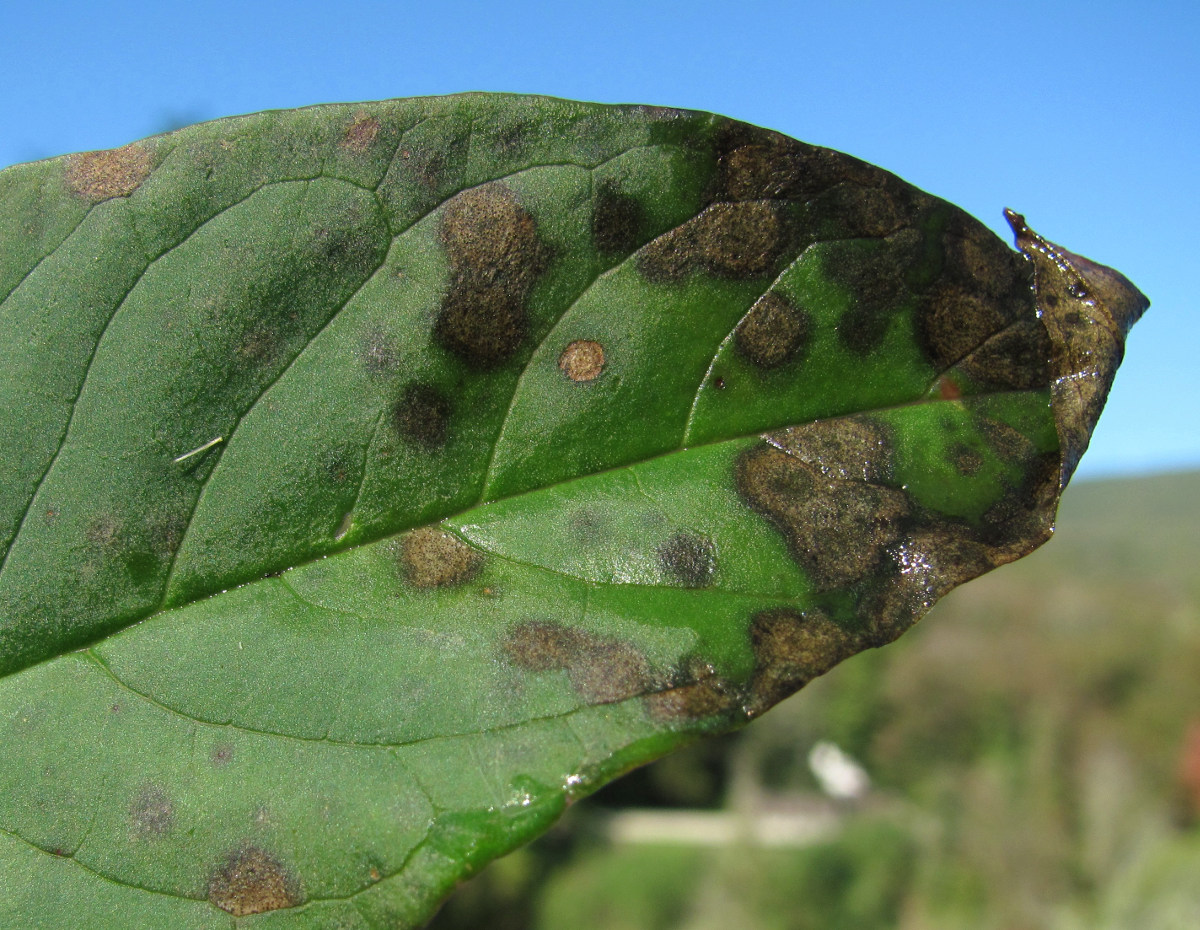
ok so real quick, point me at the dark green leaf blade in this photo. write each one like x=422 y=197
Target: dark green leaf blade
x=403 y=471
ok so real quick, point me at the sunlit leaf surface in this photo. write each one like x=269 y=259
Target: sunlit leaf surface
x=377 y=479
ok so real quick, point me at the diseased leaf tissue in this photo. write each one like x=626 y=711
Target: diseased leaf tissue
x=552 y=436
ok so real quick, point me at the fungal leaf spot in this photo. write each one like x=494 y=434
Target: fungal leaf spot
x=773 y=331
x=837 y=530
x=108 y=173
x=688 y=559
x=151 y=814
x=422 y=416
x=729 y=240
x=361 y=133
x=252 y=881
x=791 y=648
x=601 y=669
x=699 y=693
x=582 y=360
x=433 y=558
x=616 y=221
x=495 y=258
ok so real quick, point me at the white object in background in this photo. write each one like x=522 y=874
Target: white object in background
x=839 y=775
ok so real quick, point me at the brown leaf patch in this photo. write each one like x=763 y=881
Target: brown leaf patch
x=108 y=173
x=252 y=881
x=601 y=669
x=433 y=558
x=773 y=331
x=495 y=258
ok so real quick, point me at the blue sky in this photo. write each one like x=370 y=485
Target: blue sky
x=1083 y=116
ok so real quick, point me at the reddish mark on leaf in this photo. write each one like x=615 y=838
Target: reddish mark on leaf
x=948 y=388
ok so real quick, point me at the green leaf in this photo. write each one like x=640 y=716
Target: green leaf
x=378 y=479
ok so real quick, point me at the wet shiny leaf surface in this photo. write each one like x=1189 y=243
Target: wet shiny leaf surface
x=379 y=478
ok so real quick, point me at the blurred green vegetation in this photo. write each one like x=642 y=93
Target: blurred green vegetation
x=1028 y=744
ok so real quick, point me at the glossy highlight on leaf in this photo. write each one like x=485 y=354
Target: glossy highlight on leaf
x=380 y=478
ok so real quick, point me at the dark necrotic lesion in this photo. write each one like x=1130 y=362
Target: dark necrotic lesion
x=689 y=559
x=775 y=330
x=837 y=530
x=496 y=257
x=422 y=415
x=616 y=221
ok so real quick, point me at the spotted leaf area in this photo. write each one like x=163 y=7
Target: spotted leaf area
x=379 y=479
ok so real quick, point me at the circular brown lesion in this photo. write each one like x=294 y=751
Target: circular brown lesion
x=773 y=331
x=601 y=669
x=689 y=559
x=616 y=221
x=738 y=240
x=488 y=235
x=582 y=360
x=496 y=257
x=432 y=558
x=252 y=881
x=422 y=415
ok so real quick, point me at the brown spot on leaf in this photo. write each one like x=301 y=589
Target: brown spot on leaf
x=763 y=170
x=791 y=648
x=108 y=173
x=361 y=133
x=874 y=280
x=974 y=254
x=693 y=701
x=967 y=461
x=616 y=221
x=1023 y=518
x=851 y=448
x=433 y=558
x=589 y=526
x=773 y=331
x=855 y=211
x=488 y=235
x=757 y=164
x=222 y=755
x=582 y=360
x=837 y=530
x=422 y=416
x=700 y=693
x=1009 y=444
x=353 y=246
x=258 y=345
x=730 y=240
x=1015 y=359
x=689 y=559
x=151 y=814
x=739 y=240
x=482 y=324
x=495 y=258
x=104 y=532
x=953 y=320
x=928 y=564
x=601 y=669
x=252 y=881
